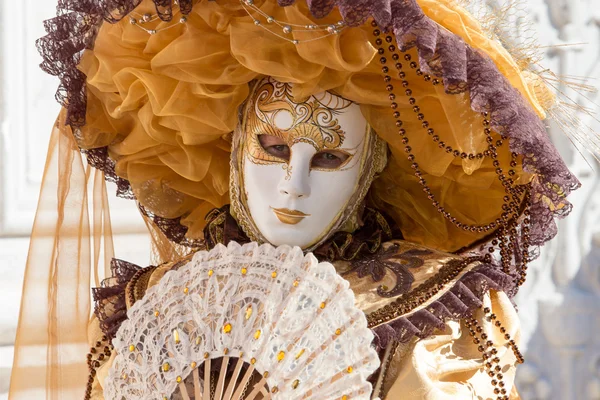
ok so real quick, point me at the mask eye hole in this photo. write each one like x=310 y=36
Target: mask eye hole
x=329 y=159
x=275 y=146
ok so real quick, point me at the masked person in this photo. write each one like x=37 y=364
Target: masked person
x=394 y=139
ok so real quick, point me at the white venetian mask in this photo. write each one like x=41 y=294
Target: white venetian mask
x=302 y=168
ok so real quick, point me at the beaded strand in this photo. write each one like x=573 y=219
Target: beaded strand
x=505 y=226
x=102 y=351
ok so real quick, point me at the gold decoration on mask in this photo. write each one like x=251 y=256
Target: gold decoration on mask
x=312 y=121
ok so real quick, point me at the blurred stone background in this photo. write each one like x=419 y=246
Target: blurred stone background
x=560 y=303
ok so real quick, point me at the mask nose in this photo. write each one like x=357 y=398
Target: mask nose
x=295 y=183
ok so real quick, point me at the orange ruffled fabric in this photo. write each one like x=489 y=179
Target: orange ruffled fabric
x=166 y=104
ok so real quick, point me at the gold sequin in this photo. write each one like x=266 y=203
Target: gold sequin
x=253 y=361
x=227 y=328
x=166 y=367
x=266 y=374
x=338 y=331
x=193 y=364
x=274 y=274
x=280 y=356
x=248 y=312
x=176 y=336
x=274 y=390
x=244 y=271
x=179 y=379
x=131 y=347
x=198 y=340
x=322 y=306
x=350 y=369
x=344 y=397
x=206 y=355
x=225 y=351
x=210 y=272
x=296 y=283
x=299 y=354
x=186 y=290
x=124 y=376
x=295 y=384
x=257 y=334
x=156 y=313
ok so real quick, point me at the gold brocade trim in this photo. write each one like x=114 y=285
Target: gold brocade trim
x=136 y=288
x=426 y=293
x=385 y=367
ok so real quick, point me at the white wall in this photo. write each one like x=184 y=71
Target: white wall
x=559 y=305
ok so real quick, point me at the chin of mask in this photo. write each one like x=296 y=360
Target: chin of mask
x=301 y=163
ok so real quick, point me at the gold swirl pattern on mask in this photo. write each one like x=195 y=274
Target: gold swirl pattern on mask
x=273 y=111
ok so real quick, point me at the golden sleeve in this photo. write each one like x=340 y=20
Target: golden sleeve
x=449 y=365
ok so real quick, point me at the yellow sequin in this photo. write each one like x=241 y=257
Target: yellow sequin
x=131 y=347
x=338 y=331
x=322 y=305
x=349 y=369
x=344 y=397
x=280 y=356
x=186 y=290
x=179 y=379
x=257 y=334
x=156 y=313
x=166 y=367
x=274 y=274
x=227 y=328
x=244 y=271
x=299 y=354
x=205 y=355
x=193 y=364
x=274 y=390
x=210 y=272
x=253 y=361
x=296 y=283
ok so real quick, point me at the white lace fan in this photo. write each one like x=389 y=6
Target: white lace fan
x=251 y=321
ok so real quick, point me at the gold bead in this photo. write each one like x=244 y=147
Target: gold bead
x=295 y=384
x=131 y=347
x=186 y=290
x=257 y=334
x=210 y=272
x=344 y=397
x=244 y=271
x=296 y=283
x=274 y=274
x=179 y=379
x=225 y=351
x=227 y=328
x=280 y=356
x=124 y=376
x=266 y=374
x=166 y=367
x=248 y=312
x=156 y=313
x=193 y=364
x=206 y=355
x=338 y=331
x=176 y=336
x=253 y=361
x=322 y=306
x=198 y=340
x=350 y=369
x=274 y=390
x=299 y=354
